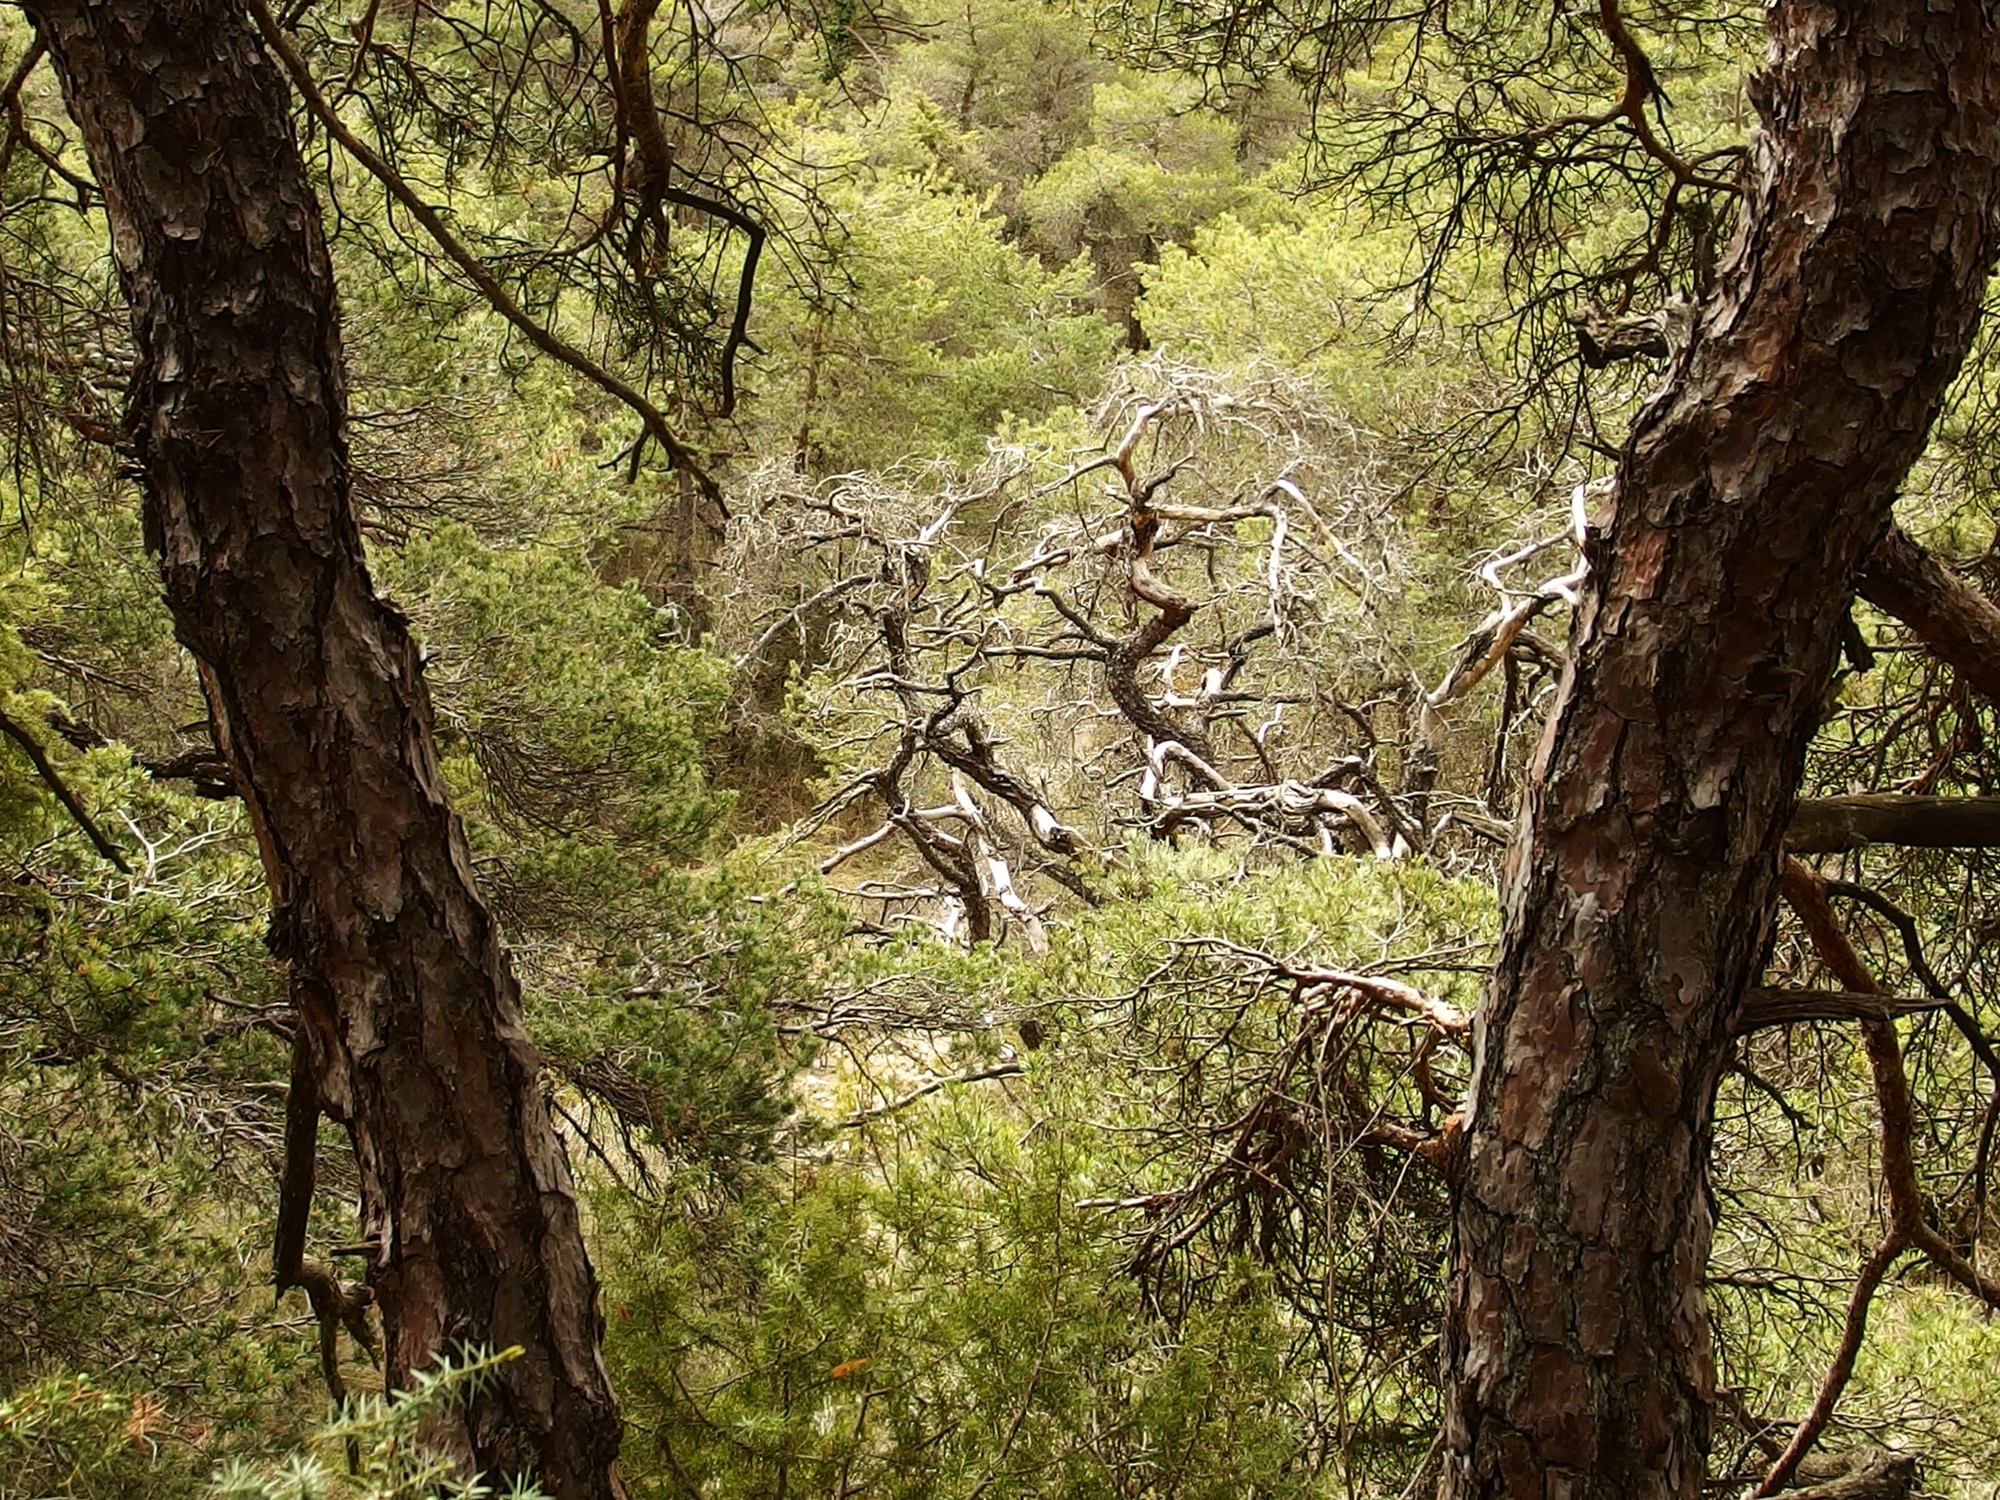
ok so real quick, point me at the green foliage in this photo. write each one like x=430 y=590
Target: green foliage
x=1106 y=1215
x=571 y=722
x=135 y=1117
x=688 y=1041
x=65 y=1435
x=375 y=1450
x=960 y=1324
x=942 y=328
x=1344 y=911
x=1297 y=293
x=1154 y=167
x=1015 y=82
x=943 y=1297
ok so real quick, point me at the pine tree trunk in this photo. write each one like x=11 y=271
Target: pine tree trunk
x=238 y=412
x=1577 y=1358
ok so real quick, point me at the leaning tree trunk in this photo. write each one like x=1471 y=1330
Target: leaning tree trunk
x=238 y=413
x=1640 y=898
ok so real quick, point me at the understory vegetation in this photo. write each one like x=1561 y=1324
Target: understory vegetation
x=1000 y=834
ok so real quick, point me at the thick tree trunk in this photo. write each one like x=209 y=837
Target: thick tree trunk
x=238 y=412
x=1639 y=902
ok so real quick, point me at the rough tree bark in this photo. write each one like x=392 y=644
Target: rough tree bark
x=1640 y=897
x=238 y=413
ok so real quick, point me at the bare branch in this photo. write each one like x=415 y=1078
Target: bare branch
x=53 y=779
x=1854 y=1326
x=1786 y=1007
x=924 y=1091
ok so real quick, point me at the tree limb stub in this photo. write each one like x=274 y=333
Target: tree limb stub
x=1857 y=1474
x=335 y=1303
x=1834 y=825
x=1784 y=1007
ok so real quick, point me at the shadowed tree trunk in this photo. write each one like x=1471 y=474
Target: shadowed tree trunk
x=412 y=1015
x=1640 y=898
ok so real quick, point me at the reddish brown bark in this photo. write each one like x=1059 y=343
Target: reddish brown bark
x=238 y=413
x=1577 y=1358
x=1959 y=624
